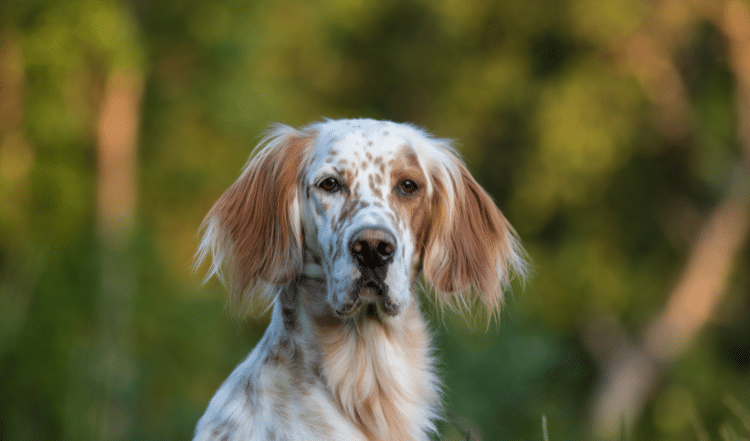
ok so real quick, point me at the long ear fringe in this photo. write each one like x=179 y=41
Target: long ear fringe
x=469 y=303
x=256 y=298
x=253 y=232
x=448 y=257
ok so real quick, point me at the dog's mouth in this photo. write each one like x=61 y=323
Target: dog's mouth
x=370 y=295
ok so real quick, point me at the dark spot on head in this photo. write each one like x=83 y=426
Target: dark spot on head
x=333 y=228
x=346 y=211
x=361 y=205
x=374 y=181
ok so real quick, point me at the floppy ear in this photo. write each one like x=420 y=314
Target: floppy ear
x=470 y=246
x=253 y=232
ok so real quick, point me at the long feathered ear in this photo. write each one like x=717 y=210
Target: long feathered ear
x=254 y=231
x=470 y=246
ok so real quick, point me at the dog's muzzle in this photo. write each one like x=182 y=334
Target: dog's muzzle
x=373 y=250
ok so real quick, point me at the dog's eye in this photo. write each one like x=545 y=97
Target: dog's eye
x=331 y=185
x=408 y=187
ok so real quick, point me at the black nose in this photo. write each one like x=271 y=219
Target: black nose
x=372 y=247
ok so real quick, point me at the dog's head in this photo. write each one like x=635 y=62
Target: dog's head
x=364 y=205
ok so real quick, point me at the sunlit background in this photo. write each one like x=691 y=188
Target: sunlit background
x=614 y=135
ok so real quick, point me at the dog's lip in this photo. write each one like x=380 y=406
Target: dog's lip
x=348 y=309
x=369 y=294
x=372 y=291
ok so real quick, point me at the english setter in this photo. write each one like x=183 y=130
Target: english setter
x=333 y=225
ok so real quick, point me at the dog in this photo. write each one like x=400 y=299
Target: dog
x=335 y=225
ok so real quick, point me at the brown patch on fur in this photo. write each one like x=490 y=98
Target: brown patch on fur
x=374 y=180
x=355 y=190
x=255 y=215
x=473 y=246
x=410 y=208
x=349 y=174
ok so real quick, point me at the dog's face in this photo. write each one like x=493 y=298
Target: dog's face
x=365 y=201
x=361 y=206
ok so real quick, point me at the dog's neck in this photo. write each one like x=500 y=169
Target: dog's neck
x=378 y=369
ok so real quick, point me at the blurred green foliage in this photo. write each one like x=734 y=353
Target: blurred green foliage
x=606 y=131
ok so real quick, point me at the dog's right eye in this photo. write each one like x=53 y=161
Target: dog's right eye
x=331 y=185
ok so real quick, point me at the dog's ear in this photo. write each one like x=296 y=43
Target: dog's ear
x=469 y=246
x=254 y=231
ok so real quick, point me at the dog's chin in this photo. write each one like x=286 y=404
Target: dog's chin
x=369 y=301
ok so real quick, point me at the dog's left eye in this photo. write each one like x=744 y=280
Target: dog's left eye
x=408 y=187
x=331 y=185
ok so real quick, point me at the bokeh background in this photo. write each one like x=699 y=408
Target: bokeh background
x=615 y=136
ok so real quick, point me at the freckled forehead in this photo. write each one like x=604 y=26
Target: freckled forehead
x=356 y=143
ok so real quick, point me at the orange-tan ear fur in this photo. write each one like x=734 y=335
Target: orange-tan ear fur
x=470 y=246
x=253 y=232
